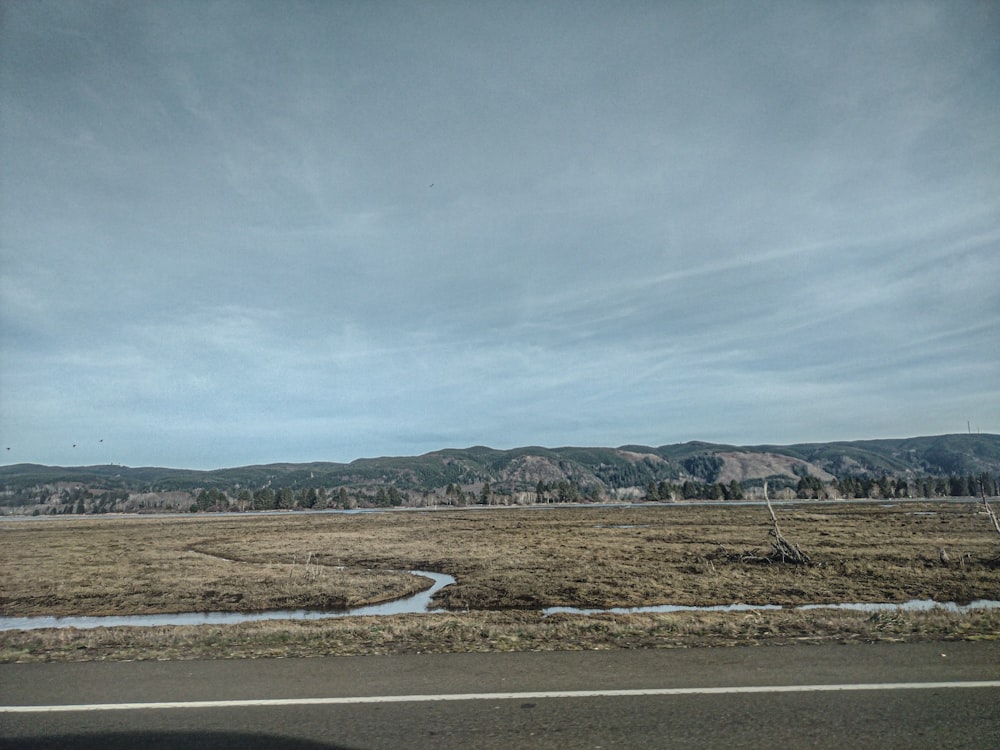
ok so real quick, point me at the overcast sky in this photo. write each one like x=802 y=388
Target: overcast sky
x=245 y=232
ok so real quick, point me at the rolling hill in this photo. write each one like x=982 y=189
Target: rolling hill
x=479 y=473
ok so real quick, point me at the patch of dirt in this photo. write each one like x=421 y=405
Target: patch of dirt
x=741 y=466
x=635 y=458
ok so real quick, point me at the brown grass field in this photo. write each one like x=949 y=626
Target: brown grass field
x=509 y=563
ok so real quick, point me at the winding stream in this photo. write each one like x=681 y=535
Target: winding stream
x=414 y=604
x=421 y=603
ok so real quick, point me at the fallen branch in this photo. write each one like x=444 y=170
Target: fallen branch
x=747 y=556
x=989 y=510
x=784 y=550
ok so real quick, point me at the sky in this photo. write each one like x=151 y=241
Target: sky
x=249 y=232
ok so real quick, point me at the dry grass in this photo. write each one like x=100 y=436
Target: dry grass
x=492 y=631
x=509 y=564
x=114 y=566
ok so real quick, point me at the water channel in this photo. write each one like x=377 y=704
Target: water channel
x=415 y=604
x=421 y=603
x=914 y=605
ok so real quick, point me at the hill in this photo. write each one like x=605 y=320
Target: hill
x=528 y=474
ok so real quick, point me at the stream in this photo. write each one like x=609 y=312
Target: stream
x=415 y=604
x=420 y=603
x=914 y=605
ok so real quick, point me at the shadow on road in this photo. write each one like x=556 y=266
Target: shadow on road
x=164 y=740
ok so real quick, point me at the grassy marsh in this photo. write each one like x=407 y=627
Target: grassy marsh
x=508 y=565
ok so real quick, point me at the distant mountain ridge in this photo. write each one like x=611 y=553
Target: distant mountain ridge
x=522 y=469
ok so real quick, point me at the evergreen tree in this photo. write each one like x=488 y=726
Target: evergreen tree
x=310 y=498
x=263 y=499
x=958 y=486
x=203 y=501
x=690 y=490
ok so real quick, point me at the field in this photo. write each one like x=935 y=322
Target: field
x=509 y=564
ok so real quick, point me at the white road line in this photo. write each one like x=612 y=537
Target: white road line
x=537 y=695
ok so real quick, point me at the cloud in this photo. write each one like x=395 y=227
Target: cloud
x=238 y=232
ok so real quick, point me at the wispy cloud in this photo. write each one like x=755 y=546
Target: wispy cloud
x=237 y=233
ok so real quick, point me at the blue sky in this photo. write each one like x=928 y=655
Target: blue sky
x=244 y=232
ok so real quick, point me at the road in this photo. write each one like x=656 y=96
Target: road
x=936 y=695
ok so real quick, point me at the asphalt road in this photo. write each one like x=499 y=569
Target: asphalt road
x=883 y=695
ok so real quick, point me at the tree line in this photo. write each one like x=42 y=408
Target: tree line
x=85 y=500
x=954 y=485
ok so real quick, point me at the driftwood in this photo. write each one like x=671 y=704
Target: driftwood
x=995 y=562
x=989 y=510
x=783 y=550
